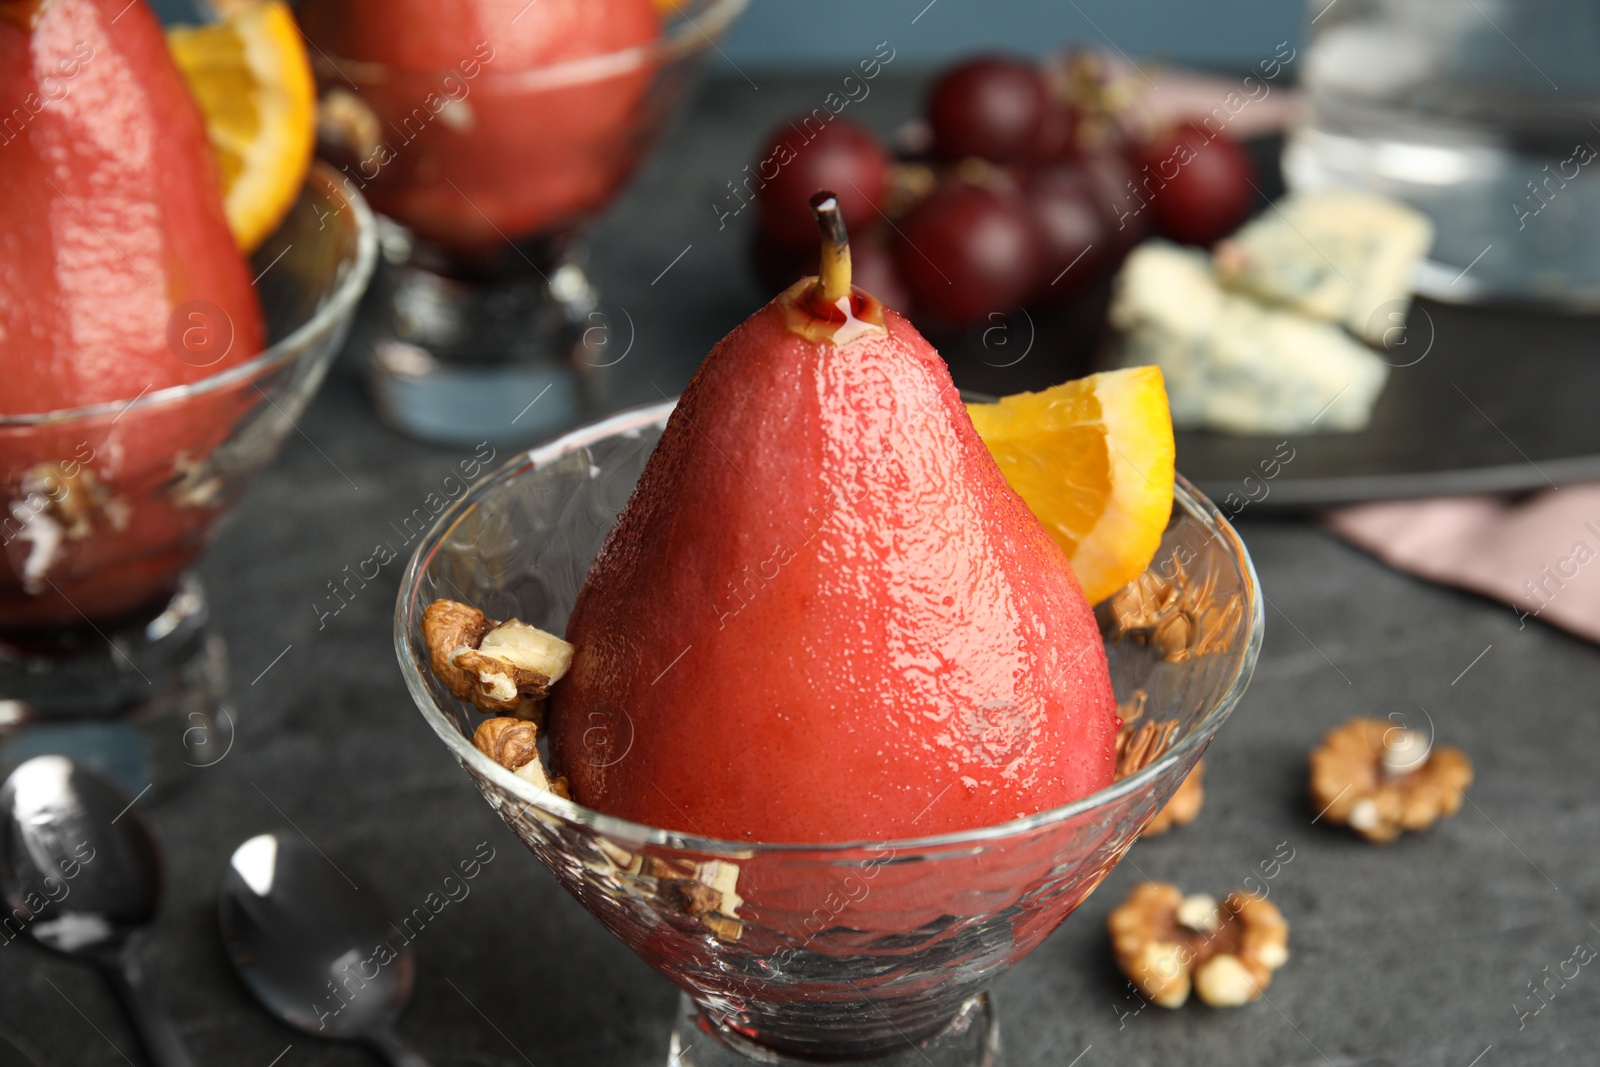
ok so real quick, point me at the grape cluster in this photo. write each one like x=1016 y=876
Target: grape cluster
x=1021 y=186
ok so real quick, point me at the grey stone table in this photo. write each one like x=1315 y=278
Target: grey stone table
x=1420 y=953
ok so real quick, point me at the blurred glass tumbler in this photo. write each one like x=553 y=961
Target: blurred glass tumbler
x=486 y=178
x=1481 y=113
x=871 y=951
x=105 y=653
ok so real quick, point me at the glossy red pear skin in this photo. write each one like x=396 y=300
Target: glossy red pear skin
x=823 y=611
x=110 y=210
x=110 y=220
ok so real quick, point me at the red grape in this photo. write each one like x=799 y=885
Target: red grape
x=1075 y=237
x=1198 y=183
x=1111 y=182
x=873 y=270
x=967 y=250
x=800 y=159
x=991 y=107
x=1057 y=135
x=872 y=267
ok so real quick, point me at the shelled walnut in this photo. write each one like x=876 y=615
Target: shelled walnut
x=78 y=502
x=1168 y=944
x=514 y=744
x=1185 y=805
x=1139 y=744
x=500 y=667
x=707 y=891
x=1182 y=620
x=1380 y=779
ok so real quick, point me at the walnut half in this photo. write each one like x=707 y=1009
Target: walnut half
x=514 y=744
x=1380 y=779
x=1169 y=944
x=500 y=667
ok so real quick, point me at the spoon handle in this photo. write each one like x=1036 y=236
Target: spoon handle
x=162 y=1046
x=397 y=1050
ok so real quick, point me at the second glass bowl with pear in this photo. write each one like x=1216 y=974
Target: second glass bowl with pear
x=877 y=951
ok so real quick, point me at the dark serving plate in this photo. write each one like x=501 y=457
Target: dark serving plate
x=1480 y=400
x=1497 y=401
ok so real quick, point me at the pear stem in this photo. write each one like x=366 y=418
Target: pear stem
x=833 y=277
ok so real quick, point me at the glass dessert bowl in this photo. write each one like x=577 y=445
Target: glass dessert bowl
x=107 y=506
x=872 y=951
x=485 y=175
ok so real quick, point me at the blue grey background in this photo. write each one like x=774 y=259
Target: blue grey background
x=819 y=34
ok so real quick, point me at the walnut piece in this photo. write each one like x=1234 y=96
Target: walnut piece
x=500 y=667
x=1139 y=744
x=79 y=501
x=513 y=743
x=1181 y=619
x=1380 y=779
x=707 y=891
x=446 y=626
x=346 y=120
x=1185 y=805
x=1168 y=944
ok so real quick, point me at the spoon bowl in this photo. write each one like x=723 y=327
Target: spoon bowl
x=88 y=878
x=80 y=869
x=315 y=948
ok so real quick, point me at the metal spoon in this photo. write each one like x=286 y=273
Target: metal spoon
x=319 y=952
x=81 y=865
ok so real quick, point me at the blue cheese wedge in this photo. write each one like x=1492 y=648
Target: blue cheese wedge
x=1235 y=364
x=1338 y=254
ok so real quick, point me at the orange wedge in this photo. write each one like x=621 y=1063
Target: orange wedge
x=1093 y=460
x=252 y=79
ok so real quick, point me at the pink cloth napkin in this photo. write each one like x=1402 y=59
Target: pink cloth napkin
x=1540 y=555
x=1250 y=105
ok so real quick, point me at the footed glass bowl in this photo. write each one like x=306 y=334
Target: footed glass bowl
x=873 y=951
x=104 y=508
x=487 y=174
